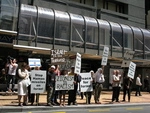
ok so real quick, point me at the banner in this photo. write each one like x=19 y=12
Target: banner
x=64 y=82
x=38 y=81
x=78 y=64
x=34 y=62
x=86 y=82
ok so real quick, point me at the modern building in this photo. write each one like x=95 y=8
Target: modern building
x=30 y=28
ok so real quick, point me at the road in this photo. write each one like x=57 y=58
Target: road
x=138 y=109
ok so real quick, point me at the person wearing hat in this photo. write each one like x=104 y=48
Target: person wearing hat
x=99 y=80
x=51 y=75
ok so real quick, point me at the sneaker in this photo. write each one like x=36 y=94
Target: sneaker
x=49 y=104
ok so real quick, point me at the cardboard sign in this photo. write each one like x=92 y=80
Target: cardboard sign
x=86 y=82
x=38 y=81
x=64 y=82
x=34 y=62
x=78 y=64
x=57 y=56
x=131 y=70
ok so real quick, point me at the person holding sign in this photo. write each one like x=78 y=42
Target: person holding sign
x=138 y=85
x=127 y=82
x=99 y=80
x=72 y=93
x=50 y=85
x=62 y=92
x=22 y=84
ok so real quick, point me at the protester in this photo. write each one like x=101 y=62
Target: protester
x=138 y=85
x=50 y=85
x=63 y=92
x=146 y=84
x=12 y=67
x=89 y=94
x=23 y=84
x=3 y=76
x=127 y=83
x=72 y=93
x=116 y=85
x=56 y=93
x=99 y=80
x=33 y=95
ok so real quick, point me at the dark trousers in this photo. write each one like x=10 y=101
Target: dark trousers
x=138 y=90
x=11 y=80
x=72 y=95
x=50 y=93
x=146 y=87
x=126 y=91
x=88 y=97
x=115 y=95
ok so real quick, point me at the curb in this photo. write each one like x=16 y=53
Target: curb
x=4 y=109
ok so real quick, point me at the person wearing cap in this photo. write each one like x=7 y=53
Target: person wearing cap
x=50 y=85
x=99 y=80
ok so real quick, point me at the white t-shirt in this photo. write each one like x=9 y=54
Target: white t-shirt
x=12 y=69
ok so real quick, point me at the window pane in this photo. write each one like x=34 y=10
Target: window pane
x=9 y=14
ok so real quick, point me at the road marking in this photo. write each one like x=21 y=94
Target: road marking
x=99 y=110
x=60 y=112
x=29 y=112
x=135 y=108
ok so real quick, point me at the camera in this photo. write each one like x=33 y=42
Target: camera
x=9 y=58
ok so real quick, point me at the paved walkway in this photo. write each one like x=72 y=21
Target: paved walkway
x=11 y=100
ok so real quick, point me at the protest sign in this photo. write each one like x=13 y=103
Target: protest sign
x=105 y=56
x=64 y=82
x=38 y=81
x=57 y=56
x=78 y=64
x=86 y=82
x=34 y=62
x=131 y=70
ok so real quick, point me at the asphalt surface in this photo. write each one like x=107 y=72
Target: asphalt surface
x=9 y=103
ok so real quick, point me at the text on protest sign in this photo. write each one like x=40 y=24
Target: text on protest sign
x=38 y=81
x=78 y=64
x=57 y=56
x=105 y=56
x=131 y=70
x=33 y=62
x=64 y=82
x=86 y=82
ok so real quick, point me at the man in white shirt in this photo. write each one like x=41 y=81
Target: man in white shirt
x=12 y=67
x=99 y=80
x=138 y=85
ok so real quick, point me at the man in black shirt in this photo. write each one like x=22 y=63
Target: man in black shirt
x=50 y=84
x=146 y=84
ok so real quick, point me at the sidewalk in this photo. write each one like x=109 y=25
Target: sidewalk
x=11 y=100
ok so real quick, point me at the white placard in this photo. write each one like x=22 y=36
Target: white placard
x=34 y=62
x=106 y=51
x=64 y=82
x=131 y=70
x=105 y=56
x=78 y=64
x=86 y=82
x=104 y=61
x=38 y=81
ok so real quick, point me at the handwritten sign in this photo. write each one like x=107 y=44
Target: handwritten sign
x=86 y=82
x=105 y=56
x=34 y=62
x=64 y=82
x=57 y=56
x=38 y=81
x=131 y=70
x=78 y=64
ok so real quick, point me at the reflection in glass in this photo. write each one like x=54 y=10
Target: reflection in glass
x=9 y=14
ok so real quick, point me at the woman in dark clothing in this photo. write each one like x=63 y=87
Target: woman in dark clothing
x=127 y=82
